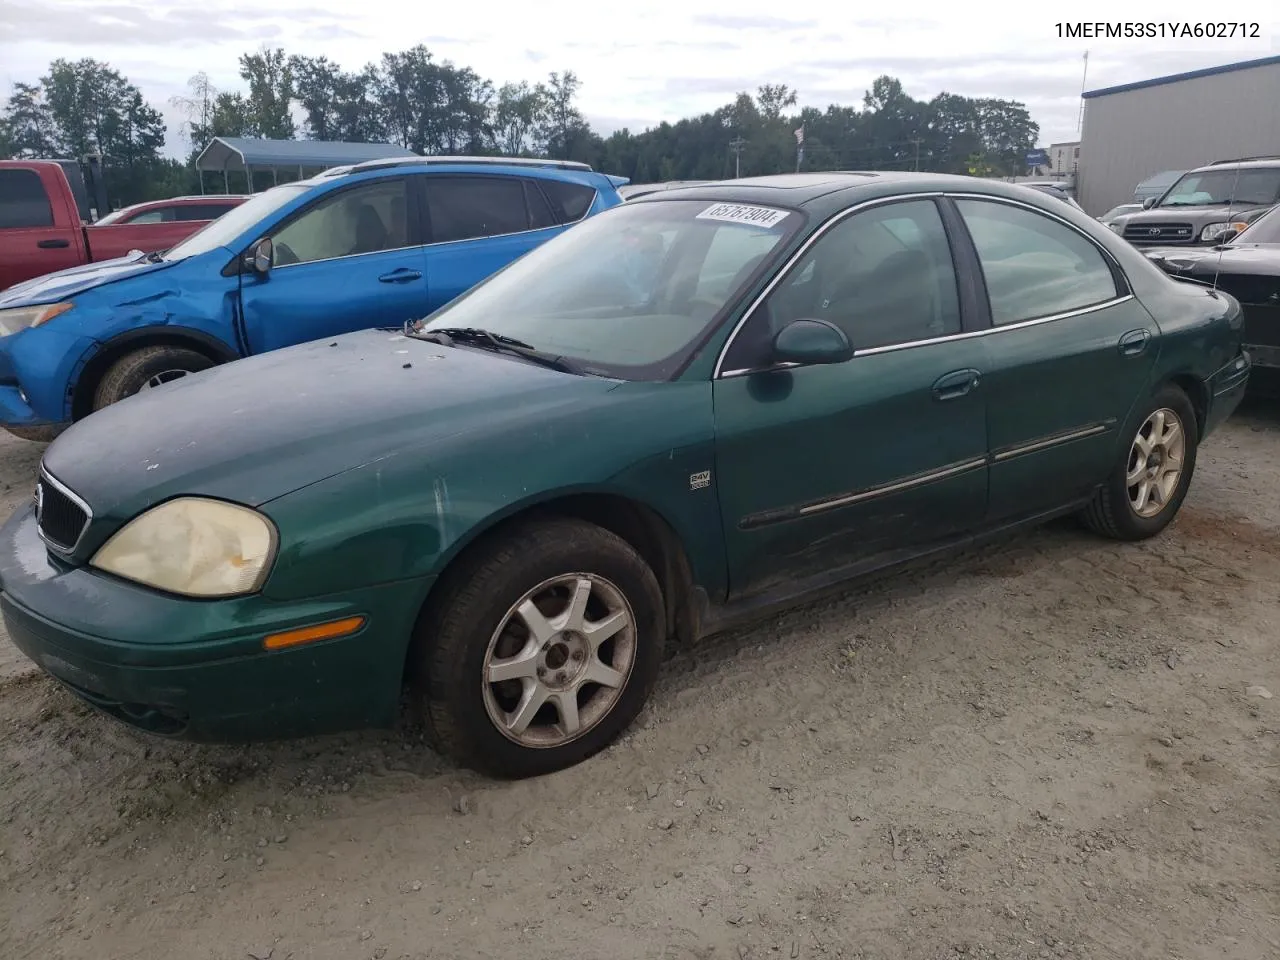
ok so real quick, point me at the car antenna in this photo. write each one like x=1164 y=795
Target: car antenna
x=1217 y=267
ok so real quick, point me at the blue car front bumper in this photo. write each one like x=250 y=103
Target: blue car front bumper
x=37 y=376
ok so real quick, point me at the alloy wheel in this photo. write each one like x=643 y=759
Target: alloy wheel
x=559 y=660
x=1155 y=463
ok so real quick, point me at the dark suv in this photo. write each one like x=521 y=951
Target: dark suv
x=1205 y=206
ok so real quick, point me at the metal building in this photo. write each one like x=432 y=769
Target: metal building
x=247 y=155
x=1186 y=120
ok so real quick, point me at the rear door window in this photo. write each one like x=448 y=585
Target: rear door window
x=467 y=208
x=200 y=211
x=159 y=215
x=1034 y=266
x=23 y=201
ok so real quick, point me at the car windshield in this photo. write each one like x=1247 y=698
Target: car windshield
x=229 y=226
x=1266 y=229
x=1227 y=186
x=631 y=292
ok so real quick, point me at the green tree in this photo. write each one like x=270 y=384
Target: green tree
x=519 y=112
x=268 y=103
x=338 y=105
x=564 y=130
x=94 y=109
x=26 y=123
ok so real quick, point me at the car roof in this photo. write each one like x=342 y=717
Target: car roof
x=1242 y=163
x=829 y=187
x=186 y=200
x=455 y=160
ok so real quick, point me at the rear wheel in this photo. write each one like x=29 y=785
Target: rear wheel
x=146 y=369
x=542 y=649
x=1153 y=472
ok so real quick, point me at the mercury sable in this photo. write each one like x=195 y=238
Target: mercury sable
x=691 y=409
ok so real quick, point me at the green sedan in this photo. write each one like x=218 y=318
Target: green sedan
x=693 y=409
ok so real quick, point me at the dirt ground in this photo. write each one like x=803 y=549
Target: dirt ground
x=1060 y=747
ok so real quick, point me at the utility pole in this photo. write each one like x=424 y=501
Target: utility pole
x=1084 y=79
x=736 y=146
x=917 y=143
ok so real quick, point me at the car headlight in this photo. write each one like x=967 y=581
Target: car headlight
x=1213 y=230
x=194 y=547
x=1117 y=227
x=19 y=318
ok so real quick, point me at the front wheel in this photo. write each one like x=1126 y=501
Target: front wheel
x=1153 y=471
x=146 y=369
x=542 y=649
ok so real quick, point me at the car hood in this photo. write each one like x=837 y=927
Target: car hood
x=1244 y=258
x=1197 y=212
x=256 y=429
x=67 y=283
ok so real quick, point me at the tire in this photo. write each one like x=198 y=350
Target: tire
x=36 y=434
x=1113 y=512
x=135 y=370
x=477 y=609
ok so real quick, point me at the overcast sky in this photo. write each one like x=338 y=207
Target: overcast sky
x=643 y=63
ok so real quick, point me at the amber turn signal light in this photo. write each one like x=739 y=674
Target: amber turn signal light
x=320 y=631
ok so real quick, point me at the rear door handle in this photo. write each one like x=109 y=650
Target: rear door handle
x=955 y=384
x=52 y=244
x=402 y=275
x=1134 y=343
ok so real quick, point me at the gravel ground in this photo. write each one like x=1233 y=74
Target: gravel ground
x=1060 y=747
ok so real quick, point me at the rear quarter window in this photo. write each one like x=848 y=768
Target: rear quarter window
x=23 y=201
x=569 y=201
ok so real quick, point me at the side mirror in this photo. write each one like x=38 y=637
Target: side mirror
x=1149 y=202
x=258 y=258
x=811 y=341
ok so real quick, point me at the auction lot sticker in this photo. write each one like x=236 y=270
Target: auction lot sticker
x=744 y=213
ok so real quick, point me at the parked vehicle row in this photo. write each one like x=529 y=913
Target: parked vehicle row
x=1205 y=206
x=689 y=409
x=1248 y=267
x=193 y=209
x=45 y=213
x=375 y=244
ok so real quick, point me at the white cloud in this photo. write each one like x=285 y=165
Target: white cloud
x=641 y=64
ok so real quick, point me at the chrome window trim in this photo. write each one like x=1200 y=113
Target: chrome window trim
x=964 y=335
x=595 y=196
x=62 y=488
x=720 y=373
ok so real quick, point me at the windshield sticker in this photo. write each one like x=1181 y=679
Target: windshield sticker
x=742 y=213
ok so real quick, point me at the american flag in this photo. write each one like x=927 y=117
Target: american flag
x=800 y=134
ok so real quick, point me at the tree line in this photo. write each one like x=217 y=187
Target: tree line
x=434 y=106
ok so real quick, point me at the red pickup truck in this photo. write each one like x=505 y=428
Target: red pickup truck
x=45 y=221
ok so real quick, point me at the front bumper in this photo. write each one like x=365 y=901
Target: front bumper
x=38 y=370
x=197 y=670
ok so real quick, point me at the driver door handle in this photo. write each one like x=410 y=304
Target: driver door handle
x=956 y=384
x=402 y=275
